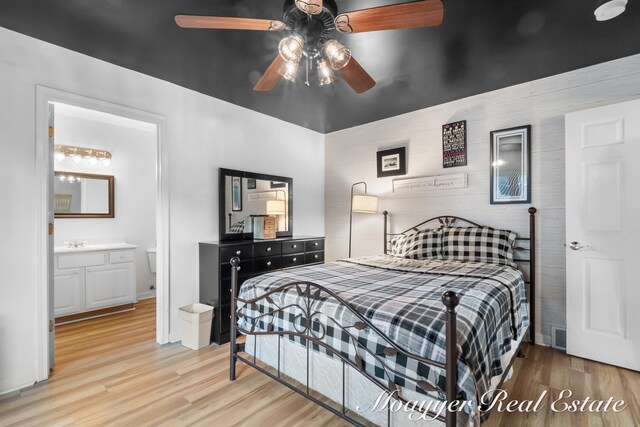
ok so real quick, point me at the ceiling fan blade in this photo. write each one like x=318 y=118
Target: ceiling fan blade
x=424 y=13
x=359 y=80
x=271 y=77
x=312 y=7
x=225 y=23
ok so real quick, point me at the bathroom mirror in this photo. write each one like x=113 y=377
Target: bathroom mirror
x=511 y=165
x=83 y=195
x=245 y=195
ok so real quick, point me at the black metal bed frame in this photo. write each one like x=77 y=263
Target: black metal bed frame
x=308 y=327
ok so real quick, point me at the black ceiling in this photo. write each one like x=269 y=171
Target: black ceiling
x=481 y=46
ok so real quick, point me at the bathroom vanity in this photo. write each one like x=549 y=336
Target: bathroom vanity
x=93 y=280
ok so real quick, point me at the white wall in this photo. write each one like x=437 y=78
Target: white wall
x=134 y=168
x=201 y=133
x=351 y=156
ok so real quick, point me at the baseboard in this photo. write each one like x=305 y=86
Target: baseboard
x=12 y=384
x=175 y=336
x=147 y=295
x=543 y=340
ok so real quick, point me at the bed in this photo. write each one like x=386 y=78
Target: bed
x=421 y=326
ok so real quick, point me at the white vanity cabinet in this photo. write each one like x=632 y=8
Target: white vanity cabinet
x=87 y=280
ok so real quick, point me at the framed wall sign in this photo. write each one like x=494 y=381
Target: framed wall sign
x=236 y=194
x=454 y=144
x=392 y=162
x=510 y=165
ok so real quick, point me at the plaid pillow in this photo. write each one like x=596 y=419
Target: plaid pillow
x=478 y=244
x=424 y=244
x=238 y=227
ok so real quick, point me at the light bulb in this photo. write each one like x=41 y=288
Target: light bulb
x=325 y=73
x=62 y=177
x=106 y=161
x=92 y=160
x=59 y=156
x=337 y=55
x=288 y=71
x=77 y=158
x=70 y=178
x=291 y=48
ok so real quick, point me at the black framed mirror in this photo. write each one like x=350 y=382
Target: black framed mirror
x=244 y=195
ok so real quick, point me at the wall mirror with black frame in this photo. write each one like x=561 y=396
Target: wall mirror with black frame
x=245 y=195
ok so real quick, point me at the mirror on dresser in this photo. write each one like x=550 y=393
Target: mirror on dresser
x=83 y=195
x=244 y=196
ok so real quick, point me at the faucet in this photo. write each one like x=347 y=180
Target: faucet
x=75 y=244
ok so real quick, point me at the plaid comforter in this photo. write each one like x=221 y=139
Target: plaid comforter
x=402 y=298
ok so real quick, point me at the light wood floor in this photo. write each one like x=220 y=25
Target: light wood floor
x=110 y=372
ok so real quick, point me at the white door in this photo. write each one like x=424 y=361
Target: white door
x=68 y=291
x=51 y=216
x=603 y=234
x=109 y=285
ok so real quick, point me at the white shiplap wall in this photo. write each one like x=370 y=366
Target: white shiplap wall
x=350 y=156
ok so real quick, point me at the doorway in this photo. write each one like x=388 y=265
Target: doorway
x=93 y=278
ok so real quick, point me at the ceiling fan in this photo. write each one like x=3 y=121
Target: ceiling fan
x=310 y=22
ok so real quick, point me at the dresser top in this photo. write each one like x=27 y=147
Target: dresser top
x=251 y=241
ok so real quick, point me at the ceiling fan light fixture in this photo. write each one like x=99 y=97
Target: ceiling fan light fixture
x=289 y=70
x=337 y=55
x=291 y=48
x=609 y=9
x=325 y=73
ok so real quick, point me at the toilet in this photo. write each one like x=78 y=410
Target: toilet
x=151 y=254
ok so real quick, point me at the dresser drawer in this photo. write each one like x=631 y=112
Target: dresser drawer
x=267 y=249
x=292 y=247
x=225 y=319
x=292 y=260
x=246 y=267
x=311 y=257
x=225 y=291
x=86 y=259
x=267 y=264
x=241 y=251
x=116 y=257
x=314 y=245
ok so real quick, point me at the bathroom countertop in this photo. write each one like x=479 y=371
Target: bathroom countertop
x=92 y=248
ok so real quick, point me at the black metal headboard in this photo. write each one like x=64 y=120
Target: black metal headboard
x=449 y=221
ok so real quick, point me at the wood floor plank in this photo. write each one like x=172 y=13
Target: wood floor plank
x=110 y=371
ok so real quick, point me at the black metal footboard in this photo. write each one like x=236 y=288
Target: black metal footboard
x=310 y=325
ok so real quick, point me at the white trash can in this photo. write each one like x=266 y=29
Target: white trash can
x=195 y=323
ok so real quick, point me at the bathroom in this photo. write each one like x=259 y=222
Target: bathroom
x=104 y=203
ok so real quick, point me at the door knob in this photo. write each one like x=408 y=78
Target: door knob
x=576 y=246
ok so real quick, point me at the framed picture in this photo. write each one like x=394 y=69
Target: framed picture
x=510 y=165
x=454 y=144
x=251 y=183
x=392 y=162
x=236 y=194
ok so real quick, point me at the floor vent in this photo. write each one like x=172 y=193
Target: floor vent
x=558 y=338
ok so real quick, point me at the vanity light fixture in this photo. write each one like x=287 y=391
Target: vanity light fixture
x=361 y=203
x=77 y=154
x=609 y=9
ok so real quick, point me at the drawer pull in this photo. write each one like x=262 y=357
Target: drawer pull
x=316 y=256
x=268 y=249
x=121 y=256
x=76 y=271
x=268 y=263
x=315 y=243
x=89 y=270
x=239 y=268
x=294 y=260
x=294 y=246
x=238 y=252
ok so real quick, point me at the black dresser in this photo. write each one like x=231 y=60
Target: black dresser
x=256 y=257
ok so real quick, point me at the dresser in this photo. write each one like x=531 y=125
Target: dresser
x=256 y=257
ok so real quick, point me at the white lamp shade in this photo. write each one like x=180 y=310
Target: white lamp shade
x=275 y=207
x=365 y=204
